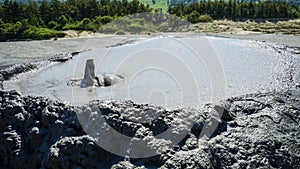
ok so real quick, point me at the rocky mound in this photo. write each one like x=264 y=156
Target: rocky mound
x=254 y=131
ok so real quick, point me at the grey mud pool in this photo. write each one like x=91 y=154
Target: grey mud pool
x=170 y=71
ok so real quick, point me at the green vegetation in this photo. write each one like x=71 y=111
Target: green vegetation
x=235 y=9
x=41 y=33
x=205 y=18
x=22 y=30
x=157 y=4
x=195 y=17
x=187 y=2
x=47 y=19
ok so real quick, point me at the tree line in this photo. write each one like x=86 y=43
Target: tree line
x=234 y=9
x=46 y=19
x=72 y=10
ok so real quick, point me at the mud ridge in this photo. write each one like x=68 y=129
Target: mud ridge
x=254 y=131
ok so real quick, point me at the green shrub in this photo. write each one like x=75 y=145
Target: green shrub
x=103 y=19
x=42 y=33
x=62 y=20
x=53 y=25
x=205 y=18
x=72 y=26
x=193 y=17
x=2 y=24
x=85 y=24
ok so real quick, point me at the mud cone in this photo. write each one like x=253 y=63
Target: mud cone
x=89 y=74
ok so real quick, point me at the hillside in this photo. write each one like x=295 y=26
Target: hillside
x=157 y=4
x=164 y=4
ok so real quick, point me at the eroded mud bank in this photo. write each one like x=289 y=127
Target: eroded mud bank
x=256 y=131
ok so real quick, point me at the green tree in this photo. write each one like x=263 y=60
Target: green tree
x=94 y=8
x=46 y=11
x=133 y=6
x=193 y=17
x=219 y=10
x=7 y=11
x=283 y=10
x=33 y=14
x=62 y=20
x=251 y=8
x=2 y=26
x=294 y=11
x=56 y=9
x=53 y=25
x=84 y=23
x=228 y=9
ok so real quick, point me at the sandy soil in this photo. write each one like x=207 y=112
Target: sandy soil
x=291 y=27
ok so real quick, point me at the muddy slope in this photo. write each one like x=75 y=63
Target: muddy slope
x=256 y=131
x=8 y=71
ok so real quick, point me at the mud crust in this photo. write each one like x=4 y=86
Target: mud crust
x=256 y=131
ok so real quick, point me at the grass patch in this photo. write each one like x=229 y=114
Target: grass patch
x=22 y=31
x=85 y=24
x=205 y=18
x=42 y=33
x=157 y=4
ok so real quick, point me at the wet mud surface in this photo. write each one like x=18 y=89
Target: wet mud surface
x=259 y=130
x=149 y=67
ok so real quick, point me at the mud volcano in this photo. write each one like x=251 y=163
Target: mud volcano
x=242 y=130
x=167 y=70
x=90 y=80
